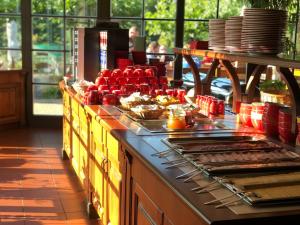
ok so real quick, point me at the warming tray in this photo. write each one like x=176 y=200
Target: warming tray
x=266 y=189
x=222 y=155
x=202 y=123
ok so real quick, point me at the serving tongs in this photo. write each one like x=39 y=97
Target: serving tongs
x=172 y=148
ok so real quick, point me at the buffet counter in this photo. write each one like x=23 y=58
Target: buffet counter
x=129 y=180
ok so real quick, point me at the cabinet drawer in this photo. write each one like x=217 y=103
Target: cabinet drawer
x=67 y=137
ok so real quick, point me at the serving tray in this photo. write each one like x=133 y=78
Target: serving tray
x=266 y=189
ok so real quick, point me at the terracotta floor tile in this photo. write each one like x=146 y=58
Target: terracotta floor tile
x=36 y=186
x=9 y=193
x=45 y=218
x=79 y=218
x=12 y=222
x=71 y=194
x=42 y=206
x=11 y=205
x=71 y=183
x=39 y=193
x=73 y=205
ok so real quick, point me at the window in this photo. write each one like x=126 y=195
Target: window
x=52 y=23
x=155 y=19
x=10 y=42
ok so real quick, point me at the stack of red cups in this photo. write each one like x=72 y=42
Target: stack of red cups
x=270 y=118
x=245 y=114
x=285 y=126
x=257 y=114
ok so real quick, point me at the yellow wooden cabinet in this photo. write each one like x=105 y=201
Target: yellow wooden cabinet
x=105 y=175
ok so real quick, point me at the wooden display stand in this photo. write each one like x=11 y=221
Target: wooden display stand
x=258 y=65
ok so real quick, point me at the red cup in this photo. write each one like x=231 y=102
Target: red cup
x=116 y=92
x=256 y=119
x=144 y=89
x=159 y=92
x=213 y=107
x=170 y=92
x=245 y=114
x=143 y=80
x=152 y=80
x=121 y=80
x=246 y=120
x=127 y=89
x=221 y=107
x=128 y=72
x=114 y=87
x=163 y=80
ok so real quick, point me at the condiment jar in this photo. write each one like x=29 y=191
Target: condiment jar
x=176 y=120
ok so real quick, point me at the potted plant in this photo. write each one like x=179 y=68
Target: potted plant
x=274 y=91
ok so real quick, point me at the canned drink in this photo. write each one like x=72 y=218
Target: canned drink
x=221 y=107
x=213 y=107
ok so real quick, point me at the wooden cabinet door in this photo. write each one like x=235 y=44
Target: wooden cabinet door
x=144 y=210
x=67 y=136
x=114 y=194
x=75 y=152
x=9 y=103
x=98 y=181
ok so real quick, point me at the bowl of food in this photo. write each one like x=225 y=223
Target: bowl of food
x=135 y=99
x=148 y=112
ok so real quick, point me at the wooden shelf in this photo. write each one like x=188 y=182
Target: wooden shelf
x=258 y=65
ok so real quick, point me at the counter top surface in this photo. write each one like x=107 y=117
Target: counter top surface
x=143 y=146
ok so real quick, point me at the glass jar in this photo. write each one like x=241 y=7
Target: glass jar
x=176 y=120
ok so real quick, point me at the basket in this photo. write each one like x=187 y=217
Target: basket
x=280 y=98
x=147 y=112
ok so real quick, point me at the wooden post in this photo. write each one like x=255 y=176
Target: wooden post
x=195 y=73
x=236 y=87
x=206 y=83
x=253 y=81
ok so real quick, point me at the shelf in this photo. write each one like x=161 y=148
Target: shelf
x=257 y=64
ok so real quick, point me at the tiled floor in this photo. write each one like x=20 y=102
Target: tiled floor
x=36 y=186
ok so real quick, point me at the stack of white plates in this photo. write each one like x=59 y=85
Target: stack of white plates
x=216 y=34
x=263 y=31
x=233 y=33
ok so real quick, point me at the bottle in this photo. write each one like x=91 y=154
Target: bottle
x=176 y=120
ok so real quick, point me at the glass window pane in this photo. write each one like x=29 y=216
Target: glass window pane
x=160 y=31
x=160 y=9
x=195 y=31
x=10 y=59
x=126 y=24
x=47 y=33
x=132 y=8
x=72 y=23
x=230 y=8
x=69 y=67
x=81 y=7
x=48 y=67
x=47 y=100
x=52 y=7
x=200 y=9
x=10 y=30
x=10 y=6
x=289 y=44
